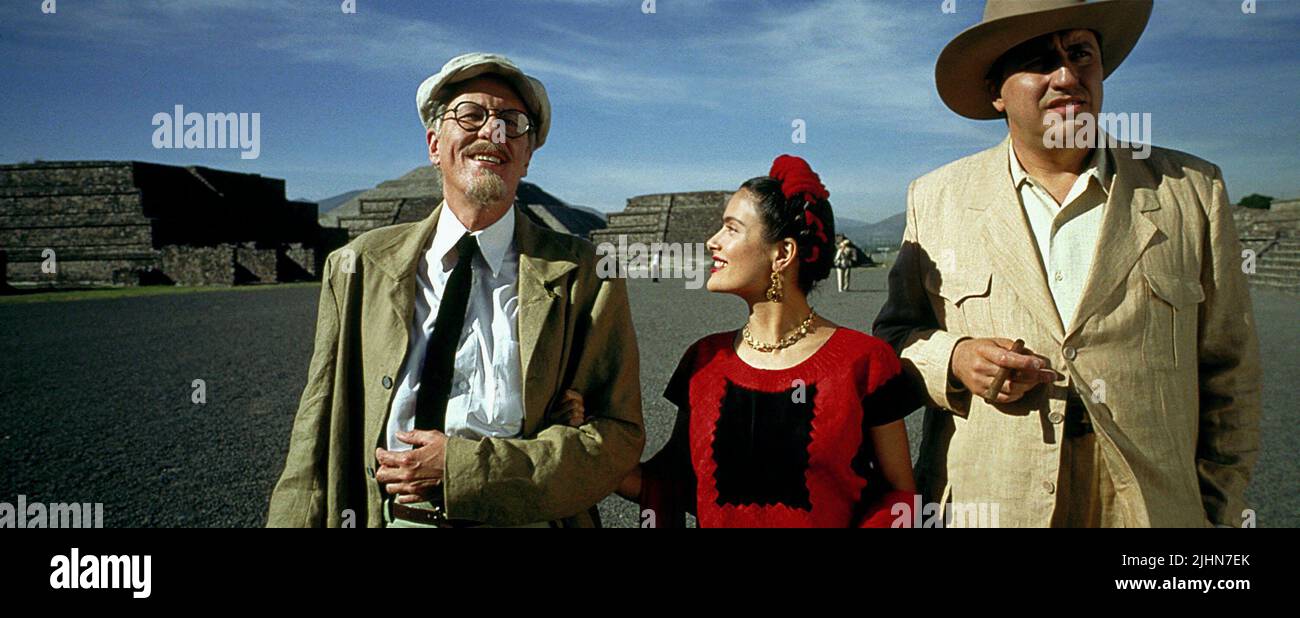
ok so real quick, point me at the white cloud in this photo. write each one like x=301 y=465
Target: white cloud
x=1180 y=20
x=864 y=67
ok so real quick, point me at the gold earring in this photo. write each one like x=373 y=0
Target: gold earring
x=775 y=291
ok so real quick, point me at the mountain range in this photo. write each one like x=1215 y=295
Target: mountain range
x=887 y=232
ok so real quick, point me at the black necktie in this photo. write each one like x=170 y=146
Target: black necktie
x=440 y=356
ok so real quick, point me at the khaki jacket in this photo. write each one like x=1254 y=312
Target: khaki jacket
x=575 y=331
x=1162 y=349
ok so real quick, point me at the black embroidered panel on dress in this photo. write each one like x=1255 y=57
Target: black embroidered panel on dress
x=760 y=446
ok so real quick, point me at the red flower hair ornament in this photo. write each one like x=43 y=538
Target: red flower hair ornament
x=798 y=179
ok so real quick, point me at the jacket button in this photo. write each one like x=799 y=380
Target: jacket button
x=1055 y=417
x=1049 y=487
x=1070 y=352
x=388 y=382
x=370 y=471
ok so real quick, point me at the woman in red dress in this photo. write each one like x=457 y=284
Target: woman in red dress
x=791 y=421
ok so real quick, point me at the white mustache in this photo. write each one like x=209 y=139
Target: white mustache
x=486 y=148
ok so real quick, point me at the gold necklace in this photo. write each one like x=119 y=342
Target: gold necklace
x=786 y=341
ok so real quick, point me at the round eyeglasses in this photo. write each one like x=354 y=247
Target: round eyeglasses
x=471 y=116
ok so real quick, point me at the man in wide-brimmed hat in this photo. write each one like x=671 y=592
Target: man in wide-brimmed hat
x=436 y=396
x=1132 y=398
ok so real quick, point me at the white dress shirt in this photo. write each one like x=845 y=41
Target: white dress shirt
x=486 y=386
x=1066 y=234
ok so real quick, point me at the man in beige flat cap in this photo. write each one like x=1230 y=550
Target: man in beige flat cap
x=1133 y=397
x=441 y=345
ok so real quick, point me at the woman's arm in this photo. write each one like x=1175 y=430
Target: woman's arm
x=893 y=455
x=665 y=485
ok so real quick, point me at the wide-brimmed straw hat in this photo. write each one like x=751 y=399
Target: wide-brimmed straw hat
x=966 y=60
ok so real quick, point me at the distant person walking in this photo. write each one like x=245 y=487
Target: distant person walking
x=844 y=263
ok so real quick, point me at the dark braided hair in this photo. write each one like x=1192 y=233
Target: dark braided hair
x=785 y=218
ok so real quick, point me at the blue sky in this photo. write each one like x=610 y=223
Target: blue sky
x=699 y=95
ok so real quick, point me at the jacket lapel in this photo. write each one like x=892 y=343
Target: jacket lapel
x=1126 y=231
x=541 y=321
x=1008 y=239
x=398 y=261
x=400 y=258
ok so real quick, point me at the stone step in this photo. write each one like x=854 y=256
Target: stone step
x=631 y=230
x=625 y=223
x=701 y=199
x=357 y=225
x=643 y=210
x=1290 y=287
x=1278 y=272
x=380 y=206
x=657 y=200
x=64 y=236
x=71 y=220
x=81 y=273
x=1274 y=280
x=362 y=220
x=1280 y=260
x=64 y=190
x=1271 y=266
x=83 y=252
x=1275 y=271
x=654 y=220
x=55 y=205
x=74 y=177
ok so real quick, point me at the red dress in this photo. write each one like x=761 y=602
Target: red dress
x=778 y=448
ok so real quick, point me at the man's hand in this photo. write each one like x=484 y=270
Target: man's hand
x=975 y=363
x=414 y=475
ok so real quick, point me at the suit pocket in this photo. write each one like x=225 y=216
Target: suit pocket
x=1171 y=319
x=964 y=298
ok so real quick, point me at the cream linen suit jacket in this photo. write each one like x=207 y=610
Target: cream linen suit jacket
x=1162 y=349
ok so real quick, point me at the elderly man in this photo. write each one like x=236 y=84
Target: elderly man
x=1134 y=399
x=442 y=344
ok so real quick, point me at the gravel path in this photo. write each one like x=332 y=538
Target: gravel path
x=96 y=395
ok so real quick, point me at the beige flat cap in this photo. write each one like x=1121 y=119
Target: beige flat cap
x=469 y=66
